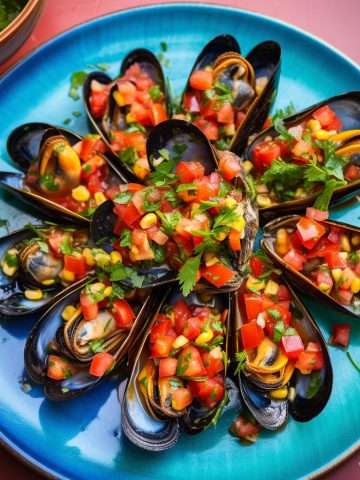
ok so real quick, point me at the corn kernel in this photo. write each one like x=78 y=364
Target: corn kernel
x=89 y=257
x=248 y=165
x=33 y=294
x=239 y=224
x=148 y=220
x=355 y=285
x=204 y=337
x=271 y=288
x=355 y=240
x=336 y=274
x=221 y=236
x=255 y=284
x=68 y=312
x=80 y=193
x=49 y=281
x=314 y=125
x=115 y=257
x=322 y=134
x=279 y=394
x=9 y=271
x=99 y=198
x=345 y=243
x=108 y=291
x=130 y=118
x=263 y=200
x=68 y=276
x=282 y=242
x=118 y=98
x=140 y=171
x=179 y=342
x=230 y=202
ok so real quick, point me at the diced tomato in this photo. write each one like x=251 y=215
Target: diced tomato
x=207 y=389
x=162 y=346
x=123 y=312
x=205 y=189
x=134 y=187
x=209 y=127
x=217 y=274
x=325 y=115
x=89 y=308
x=98 y=103
x=243 y=428
x=213 y=364
x=257 y=266
x=310 y=361
x=226 y=114
x=207 y=109
x=251 y=334
x=283 y=293
x=181 y=314
x=310 y=232
x=302 y=150
x=294 y=259
x=344 y=296
x=75 y=264
x=324 y=248
x=181 y=398
x=87 y=146
x=316 y=214
x=352 y=172
x=253 y=305
x=140 y=113
x=112 y=191
x=140 y=240
x=162 y=327
x=167 y=367
x=324 y=280
x=335 y=261
x=201 y=312
x=239 y=118
x=101 y=363
x=127 y=91
x=336 y=124
x=136 y=140
x=130 y=214
x=201 y=80
x=55 y=240
x=341 y=334
x=292 y=346
x=191 y=103
x=190 y=363
x=157 y=114
x=93 y=184
x=59 y=368
x=186 y=172
x=264 y=153
x=192 y=328
x=285 y=315
x=229 y=165
x=153 y=233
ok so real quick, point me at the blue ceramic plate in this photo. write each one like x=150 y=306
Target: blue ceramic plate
x=82 y=439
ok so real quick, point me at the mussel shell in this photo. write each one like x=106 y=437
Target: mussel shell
x=297 y=279
x=47 y=329
x=347 y=108
x=265 y=59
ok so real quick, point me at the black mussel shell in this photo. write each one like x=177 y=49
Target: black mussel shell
x=50 y=327
x=300 y=281
x=265 y=59
x=12 y=299
x=347 y=108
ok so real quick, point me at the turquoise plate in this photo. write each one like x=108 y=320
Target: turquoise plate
x=82 y=439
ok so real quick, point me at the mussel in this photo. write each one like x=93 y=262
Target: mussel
x=290 y=195
x=63 y=343
x=52 y=170
x=123 y=110
x=181 y=142
x=335 y=253
x=170 y=380
x=278 y=374
x=31 y=272
x=228 y=95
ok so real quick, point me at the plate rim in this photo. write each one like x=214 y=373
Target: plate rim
x=5 y=442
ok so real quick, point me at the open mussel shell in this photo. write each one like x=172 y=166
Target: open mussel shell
x=347 y=108
x=51 y=327
x=12 y=298
x=300 y=281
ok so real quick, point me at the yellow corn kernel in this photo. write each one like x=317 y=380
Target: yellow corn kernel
x=118 y=98
x=282 y=242
x=336 y=274
x=322 y=134
x=108 y=291
x=33 y=294
x=239 y=224
x=314 y=125
x=299 y=192
x=271 y=288
x=68 y=312
x=115 y=257
x=355 y=240
x=221 y=236
x=80 y=193
x=324 y=287
x=102 y=259
x=49 y=281
x=230 y=202
x=99 y=198
x=204 y=337
x=179 y=342
x=355 y=285
x=89 y=257
x=248 y=165
x=279 y=394
x=148 y=220
x=345 y=243
x=263 y=200
x=68 y=276
x=253 y=283
x=130 y=118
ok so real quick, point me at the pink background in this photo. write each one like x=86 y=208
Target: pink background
x=334 y=21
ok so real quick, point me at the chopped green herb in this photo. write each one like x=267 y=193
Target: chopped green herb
x=187 y=274
x=128 y=156
x=123 y=198
x=64 y=390
x=125 y=238
x=283 y=113
x=241 y=359
x=155 y=93
x=76 y=114
x=163 y=46
x=174 y=384
x=351 y=358
x=275 y=314
x=77 y=80
x=97 y=345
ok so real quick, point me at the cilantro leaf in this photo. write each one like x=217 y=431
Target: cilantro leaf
x=169 y=221
x=283 y=131
x=76 y=81
x=187 y=274
x=125 y=238
x=283 y=113
x=241 y=359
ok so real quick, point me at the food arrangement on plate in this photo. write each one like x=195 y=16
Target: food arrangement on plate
x=161 y=282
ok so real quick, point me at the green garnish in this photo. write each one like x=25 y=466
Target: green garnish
x=76 y=81
x=356 y=365
x=241 y=359
x=187 y=274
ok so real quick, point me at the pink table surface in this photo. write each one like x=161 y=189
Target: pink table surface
x=333 y=21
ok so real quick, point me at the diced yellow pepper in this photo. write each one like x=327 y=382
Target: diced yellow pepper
x=68 y=312
x=108 y=291
x=140 y=171
x=322 y=134
x=314 y=125
x=118 y=98
x=271 y=288
x=221 y=236
x=204 y=337
x=99 y=198
x=33 y=294
x=248 y=165
x=230 y=202
x=279 y=394
x=336 y=274
x=345 y=243
x=263 y=200
x=355 y=240
x=80 y=193
x=253 y=283
x=179 y=342
x=115 y=257
x=239 y=224
x=68 y=276
x=130 y=118
x=148 y=220
x=102 y=259
x=89 y=257
x=355 y=285
x=49 y=281
x=324 y=287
